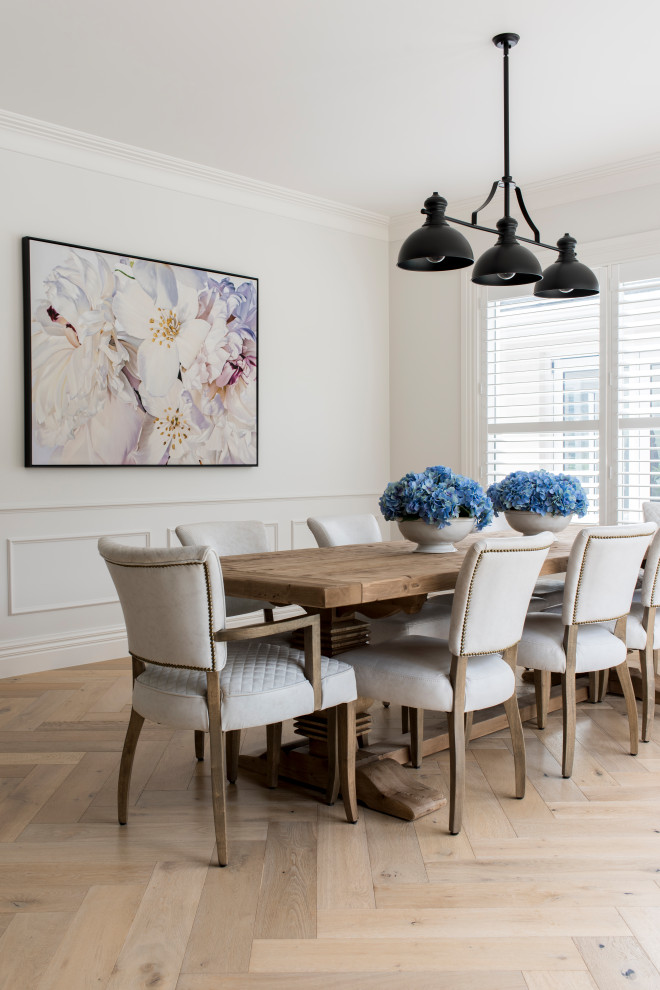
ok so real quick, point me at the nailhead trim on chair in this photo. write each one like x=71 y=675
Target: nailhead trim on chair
x=484 y=653
x=611 y=618
x=209 y=602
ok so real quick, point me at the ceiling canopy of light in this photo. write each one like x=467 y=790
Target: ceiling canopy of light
x=437 y=247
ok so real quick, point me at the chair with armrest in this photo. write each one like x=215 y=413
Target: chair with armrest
x=475 y=667
x=643 y=635
x=190 y=672
x=590 y=634
x=227 y=539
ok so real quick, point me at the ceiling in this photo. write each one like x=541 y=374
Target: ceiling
x=372 y=103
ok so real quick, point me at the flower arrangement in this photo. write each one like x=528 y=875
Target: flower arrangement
x=541 y=492
x=438 y=495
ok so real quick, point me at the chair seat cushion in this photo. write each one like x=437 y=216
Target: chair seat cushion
x=261 y=683
x=415 y=672
x=635 y=632
x=432 y=620
x=541 y=646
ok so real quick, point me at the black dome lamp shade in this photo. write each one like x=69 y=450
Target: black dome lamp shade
x=508 y=262
x=566 y=278
x=435 y=247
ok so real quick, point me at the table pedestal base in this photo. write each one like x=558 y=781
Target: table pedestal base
x=337 y=634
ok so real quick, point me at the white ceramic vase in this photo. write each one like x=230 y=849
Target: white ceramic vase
x=530 y=523
x=430 y=539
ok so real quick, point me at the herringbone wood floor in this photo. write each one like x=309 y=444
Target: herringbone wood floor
x=556 y=892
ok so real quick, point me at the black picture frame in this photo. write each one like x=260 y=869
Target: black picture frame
x=120 y=354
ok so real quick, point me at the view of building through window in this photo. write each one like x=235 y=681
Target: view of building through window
x=574 y=386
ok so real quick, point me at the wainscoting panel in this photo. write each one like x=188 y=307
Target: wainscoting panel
x=50 y=573
x=60 y=608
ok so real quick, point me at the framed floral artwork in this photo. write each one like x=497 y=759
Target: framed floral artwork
x=131 y=361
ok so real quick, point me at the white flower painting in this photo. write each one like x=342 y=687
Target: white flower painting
x=137 y=362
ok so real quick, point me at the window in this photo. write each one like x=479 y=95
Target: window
x=574 y=386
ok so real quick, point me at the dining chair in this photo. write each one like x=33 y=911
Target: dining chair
x=475 y=668
x=227 y=539
x=643 y=636
x=190 y=672
x=651 y=512
x=590 y=634
x=435 y=614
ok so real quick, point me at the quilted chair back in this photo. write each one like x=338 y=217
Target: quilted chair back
x=227 y=539
x=172 y=599
x=602 y=572
x=492 y=594
x=651 y=512
x=341 y=531
x=650 y=596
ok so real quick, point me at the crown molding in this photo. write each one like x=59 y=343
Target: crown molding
x=27 y=135
x=632 y=173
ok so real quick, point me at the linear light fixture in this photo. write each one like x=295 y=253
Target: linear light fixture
x=437 y=247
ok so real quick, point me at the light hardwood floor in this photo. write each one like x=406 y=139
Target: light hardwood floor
x=560 y=891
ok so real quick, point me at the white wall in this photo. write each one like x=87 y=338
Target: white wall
x=427 y=310
x=323 y=414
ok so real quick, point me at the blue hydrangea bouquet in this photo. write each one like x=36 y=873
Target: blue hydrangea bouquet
x=437 y=496
x=540 y=492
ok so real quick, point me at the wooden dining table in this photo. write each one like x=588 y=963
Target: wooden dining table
x=374 y=580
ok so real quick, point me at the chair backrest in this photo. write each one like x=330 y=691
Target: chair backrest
x=340 y=531
x=651 y=512
x=173 y=601
x=492 y=594
x=650 y=596
x=227 y=539
x=602 y=571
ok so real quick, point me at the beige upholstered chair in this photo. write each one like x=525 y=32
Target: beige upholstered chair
x=643 y=635
x=472 y=670
x=651 y=512
x=190 y=672
x=590 y=633
x=227 y=539
x=432 y=620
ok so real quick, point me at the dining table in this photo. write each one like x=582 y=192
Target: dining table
x=348 y=587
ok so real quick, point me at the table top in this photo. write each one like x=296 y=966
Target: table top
x=336 y=577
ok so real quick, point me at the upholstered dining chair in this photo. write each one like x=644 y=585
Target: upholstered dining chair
x=190 y=672
x=432 y=620
x=643 y=635
x=651 y=512
x=475 y=667
x=590 y=634
x=227 y=539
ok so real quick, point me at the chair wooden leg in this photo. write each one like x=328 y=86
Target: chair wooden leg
x=346 y=747
x=405 y=719
x=648 y=692
x=232 y=748
x=273 y=748
x=542 y=694
x=416 y=716
x=469 y=718
x=456 y=770
x=332 y=786
x=199 y=744
x=604 y=681
x=517 y=738
x=126 y=765
x=631 y=705
x=656 y=661
x=217 y=747
x=594 y=687
x=569 y=717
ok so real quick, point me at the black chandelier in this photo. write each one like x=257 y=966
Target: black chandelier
x=437 y=247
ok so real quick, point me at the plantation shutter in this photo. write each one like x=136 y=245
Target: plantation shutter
x=638 y=388
x=542 y=387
